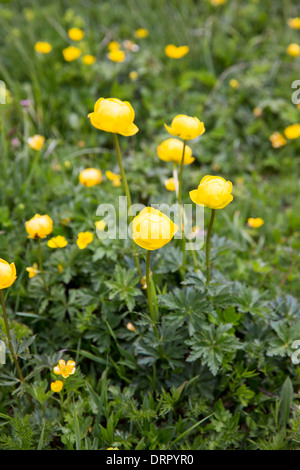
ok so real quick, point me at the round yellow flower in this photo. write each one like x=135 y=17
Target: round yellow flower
x=255 y=223
x=293 y=50
x=33 y=270
x=57 y=242
x=216 y=3
x=141 y=33
x=39 y=226
x=176 y=52
x=75 y=34
x=65 y=369
x=36 y=142
x=8 y=274
x=84 y=239
x=133 y=75
x=90 y=177
x=88 y=59
x=57 y=386
x=294 y=23
x=100 y=225
x=42 y=47
x=292 y=132
x=71 y=53
x=213 y=192
x=113 y=46
x=277 y=140
x=152 y=229
x=186 y=127
x=116 y=55
x=171 y=150
x=234 y=83
x=258 y=112
x=170 y=184
x=113 y=115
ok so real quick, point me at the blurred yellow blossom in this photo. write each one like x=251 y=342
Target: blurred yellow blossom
x=258 y=112
x=293 y=50
x=216 y=3
x=170 y=184
x=84 y=239
x=88 y=59
x=141 y=33
x=36 y=142
x=255 y=223
x=133 y=75
x=100 y=225
x=116 y=55
x=71 y=53
x=234 y=83
x=32 y=270
x=130 y=327
x=75 y=34
x=57 y=242
x=175 y=52
x=113 y=46
x=90 y=177
x=294 y=23
x=292 y=132
x=186 y=127
x=60 y=268
x=39 y=226
x=277 y=140
x=42 y=47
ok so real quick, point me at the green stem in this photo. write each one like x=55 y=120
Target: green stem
x=149 y=292
x=212 y=217
x=9 y=338
x=127 y=192
x=181 y=218
x=31 y=172
x=41 y=265
x=62 y=407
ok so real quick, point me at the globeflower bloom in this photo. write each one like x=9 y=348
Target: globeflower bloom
x=170 y=184
x=75 y=34
x=36 y=142
x=84 y=239
x=176 y=52
x=255 y=223
x=141 y=33
x=8 y=274
x=216 y=3
x=114 y=115
x=116 y=55
x=152 y=229
x=32 y=270
x=100 y=225
x=234 y=83
x=42 y=47
x=90 y=177
x=186 y=127
x=57 y=386
x=39 y=226
x=277 y=140
x=294 y=23
x=171 y=150
x=292 y=132
x=88 y=59
x=293 y=50
x=213 y=192
x=57 y=242
x=71 y=53
x=65 y=369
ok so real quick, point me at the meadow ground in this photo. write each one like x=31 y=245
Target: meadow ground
x=200 y=353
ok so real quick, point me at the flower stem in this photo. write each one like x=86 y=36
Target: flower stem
x=9 y=338
x=212 y=217
x=41 y=265
x=149 y=291
x=127 y=192
x=181 y=218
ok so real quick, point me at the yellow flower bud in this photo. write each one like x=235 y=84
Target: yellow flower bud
x=152 y=229
x=294 y=23
x=234 y=83
x=133 y=75
x=88 y=59
x=186 y=127
x=8 y=274
x=176 y=52
x=57 y=386
x=32 y=270
x=170 y=150
x=141 y=33
x=90 y=177
x=116 y=55
x=75 y=34
x=213 y=192
x=130 y=327
x=293 y=50
x=39 y=226
x=113 y=46
x=113 y=115
x=71 y=53
x=170 y=184
x=255 y=223
x=292 y=132
x=57 y=242
x=36 y=142
x=84 y=239
x=42 y=47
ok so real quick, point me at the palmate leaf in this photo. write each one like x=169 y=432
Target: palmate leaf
x=281 y=343
x=214 y=345
x=123 y=286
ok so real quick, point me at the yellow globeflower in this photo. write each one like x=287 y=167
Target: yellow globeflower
x=292 y=132
x=216 y=3
x=113 y=115
x=293 y=50
x=133 y=75
x=234 y=83
x=171 y=150
x=84 y=239
x=33 y=270
x=39 y=226
x=8 y=274
x=113 y=46
x=255 y=223
x=88 y=59
x=90 y=177
x=71 y=53
x=116 y=55
x=57 y=242
x=141 y=33
x=213 y=192
x=36 y=142
x=277 y=140
x=170 y=184
x=65 y=369
x=100 y=225
x=176 y=52
x=294 y=23
x=57 y=386
x=75 y=34
x=186 y=127
x=42 y=47
x=111 y=176
x=152 y=229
